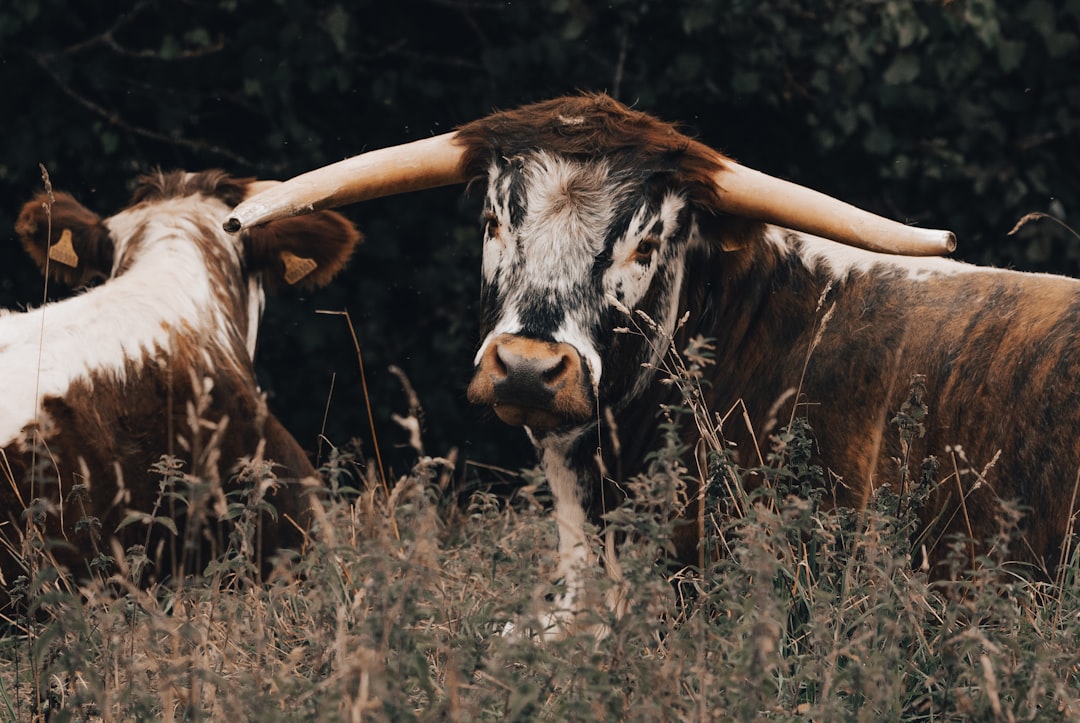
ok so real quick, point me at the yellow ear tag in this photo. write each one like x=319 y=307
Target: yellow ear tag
x=296 y=267
x=62 y=252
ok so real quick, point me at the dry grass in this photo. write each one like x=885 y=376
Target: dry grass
x=394 y=610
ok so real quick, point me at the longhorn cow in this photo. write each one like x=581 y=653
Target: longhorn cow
x=156 y=359
x=593 y=211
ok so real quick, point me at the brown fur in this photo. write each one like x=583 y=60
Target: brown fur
x=107 y=433
x=1000 y=351
x=42 y=221
x=1001 y=357
x=304 y=236
x=590 y=126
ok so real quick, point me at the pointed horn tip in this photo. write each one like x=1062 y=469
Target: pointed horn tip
x=938 y=242
x=914 y=241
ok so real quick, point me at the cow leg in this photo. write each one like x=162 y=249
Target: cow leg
x=577 y=563
x=574 y=557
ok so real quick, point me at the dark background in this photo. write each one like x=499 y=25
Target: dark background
x=961 y=115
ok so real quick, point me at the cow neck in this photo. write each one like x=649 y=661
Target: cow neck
x=187 y=288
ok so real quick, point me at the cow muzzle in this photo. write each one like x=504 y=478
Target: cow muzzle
x=538 y=384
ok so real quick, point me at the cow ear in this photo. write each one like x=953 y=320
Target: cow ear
x=67 y=238
x=305 y=251
x=729 y=233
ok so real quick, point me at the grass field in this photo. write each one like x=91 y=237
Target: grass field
x=396 y=610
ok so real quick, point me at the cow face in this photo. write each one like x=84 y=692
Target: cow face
x=582 y=267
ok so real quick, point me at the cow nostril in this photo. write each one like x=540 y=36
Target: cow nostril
x=498 y=362
x=556 y=370
x=530 y=382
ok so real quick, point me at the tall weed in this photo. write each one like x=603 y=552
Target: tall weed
x=395 y=609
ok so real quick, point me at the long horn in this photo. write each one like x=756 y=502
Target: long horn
x=434 y=162
x=256 y=187
x=746 y=192
x=427 y=163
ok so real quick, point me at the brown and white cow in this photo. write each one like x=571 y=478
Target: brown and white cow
x=155 y=360
x=594 y=211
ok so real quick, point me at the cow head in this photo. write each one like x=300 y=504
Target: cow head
x=576 y=247
x=589 y=212
x=171 y=224
x=308 y=253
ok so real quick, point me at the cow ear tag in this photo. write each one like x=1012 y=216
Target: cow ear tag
x=296 y=267
x=62 y=252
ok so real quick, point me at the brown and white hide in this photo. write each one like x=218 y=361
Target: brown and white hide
x=596 y=214
x=156 y=360
x=599 y=218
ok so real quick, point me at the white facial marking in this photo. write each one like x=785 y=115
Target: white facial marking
x=631 y=280
x=569 y=209
x=629 y=275
x=508 y=324
x=566 y=201
x=570 y=333
x=167 y=286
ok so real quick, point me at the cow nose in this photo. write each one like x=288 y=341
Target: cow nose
x=530 y=378
x=539 y=384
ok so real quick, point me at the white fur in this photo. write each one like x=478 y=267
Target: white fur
x=570 y=333
x=563 y=232
x=841 y=261
x=256 y=306
x=569 y=210
x=574 y=556
x=635 y=277
x=540 y=246
x=570 y=207
x=569 y=517
x=42 y=351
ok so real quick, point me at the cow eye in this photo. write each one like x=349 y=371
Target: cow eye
x=491 y=225
x=645 y=249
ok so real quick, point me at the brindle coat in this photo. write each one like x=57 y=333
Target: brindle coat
x=589 y=203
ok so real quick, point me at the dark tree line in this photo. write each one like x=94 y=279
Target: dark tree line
x=962 y=114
